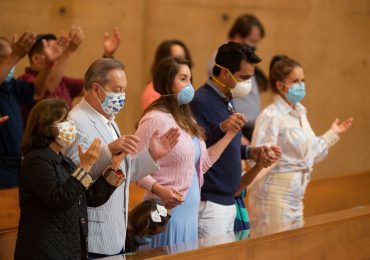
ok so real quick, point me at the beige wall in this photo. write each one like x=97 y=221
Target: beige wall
x=329 y=37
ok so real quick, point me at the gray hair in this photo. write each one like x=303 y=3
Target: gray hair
x=98 y=71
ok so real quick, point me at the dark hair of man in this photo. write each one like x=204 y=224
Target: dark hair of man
x=280 y=68
x=37 y=46
x=98 y=71
x=230 y=56
x=40 y=132
x=164 y=76
x=243 y=26
x=164 y=51
x=141 y=224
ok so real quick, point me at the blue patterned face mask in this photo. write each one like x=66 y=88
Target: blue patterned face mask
x=296 y=92
x=10 y=75
x=113 y=102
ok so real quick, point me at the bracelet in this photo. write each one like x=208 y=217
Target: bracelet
x=83 y=177
x=113 y=177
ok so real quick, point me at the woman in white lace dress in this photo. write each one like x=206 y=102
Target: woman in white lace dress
x=276 y=200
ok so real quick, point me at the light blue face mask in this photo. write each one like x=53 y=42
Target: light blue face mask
x=185 y=96
x=10 y=75
x=296 y=92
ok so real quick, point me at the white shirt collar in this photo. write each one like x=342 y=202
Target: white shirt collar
x=102 y=118
x=285 y=108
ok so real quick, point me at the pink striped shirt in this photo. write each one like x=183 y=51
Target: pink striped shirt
x=177 y=167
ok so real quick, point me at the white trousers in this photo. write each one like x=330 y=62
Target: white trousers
x=215 y=219
x=276 y=201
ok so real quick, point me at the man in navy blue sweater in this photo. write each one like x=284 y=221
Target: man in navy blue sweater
x=213 y=108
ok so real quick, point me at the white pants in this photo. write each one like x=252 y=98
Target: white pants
x=215 y=219
x=276 y=201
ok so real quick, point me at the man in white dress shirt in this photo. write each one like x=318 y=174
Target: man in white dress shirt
x=105 y=84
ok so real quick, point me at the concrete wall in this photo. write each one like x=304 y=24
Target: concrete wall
x=330 y=38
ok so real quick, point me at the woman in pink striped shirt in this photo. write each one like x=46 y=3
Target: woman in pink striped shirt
x=178 y=181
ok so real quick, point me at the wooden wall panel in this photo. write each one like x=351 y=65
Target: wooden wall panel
x=9 y=208
x=329 y=38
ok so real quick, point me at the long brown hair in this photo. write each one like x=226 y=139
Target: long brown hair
x=164 y=76
x=40 y=132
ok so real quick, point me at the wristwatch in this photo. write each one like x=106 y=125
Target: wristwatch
x=83 y=177
x=114 y=177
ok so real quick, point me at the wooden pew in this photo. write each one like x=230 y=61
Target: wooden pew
x=337 y=193
x=8 y=238
x=338 y=235
x=322 y=196
x=9 y=209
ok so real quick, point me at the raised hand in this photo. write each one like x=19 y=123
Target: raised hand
x=88 y=158
x=342 y=127
x=111 y=42
x=22 y=45
x=234 y=123
x=127 y=144
x=76 y=37
x=3 y=119
x=161 y=146
x=53 y=50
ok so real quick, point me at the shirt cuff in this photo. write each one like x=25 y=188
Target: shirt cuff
x=331 y=138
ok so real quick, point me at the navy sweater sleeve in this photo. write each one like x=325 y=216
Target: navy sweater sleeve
x=222 y=180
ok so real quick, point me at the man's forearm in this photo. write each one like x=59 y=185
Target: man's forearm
x=41 y=82
x=57 y=72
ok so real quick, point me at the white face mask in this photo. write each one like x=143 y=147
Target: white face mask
x=66 y=133
x=242 y=88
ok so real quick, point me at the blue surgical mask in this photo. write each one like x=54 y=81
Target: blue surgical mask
x=185 y=96
x=10 y=75
x=296 y=92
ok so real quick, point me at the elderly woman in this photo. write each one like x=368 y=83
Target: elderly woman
x=53 y=192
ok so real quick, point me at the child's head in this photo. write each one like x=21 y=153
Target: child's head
x=145 y=220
